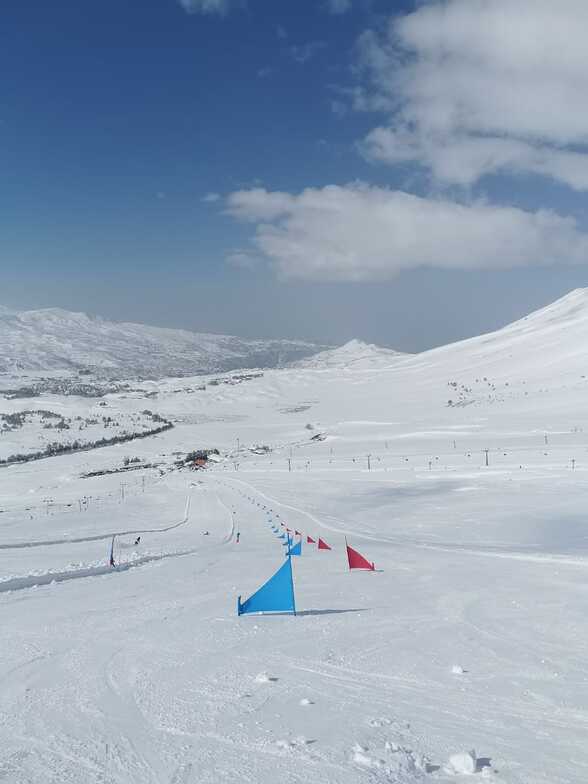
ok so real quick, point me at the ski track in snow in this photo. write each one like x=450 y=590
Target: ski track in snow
x=99 y=570
x=100 y=537
x=348 y=530
x=38 y=580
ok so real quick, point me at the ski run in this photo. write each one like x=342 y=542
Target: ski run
x=460 y=476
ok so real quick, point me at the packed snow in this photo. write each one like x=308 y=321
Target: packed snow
x=461 y=473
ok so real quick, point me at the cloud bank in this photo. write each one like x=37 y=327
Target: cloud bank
x=359 y=233
x=338 y=6
x=206 y=6
x=474 y=87
x=223 y=6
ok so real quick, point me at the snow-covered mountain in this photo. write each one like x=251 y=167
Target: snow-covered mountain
x=355 y=355
x=552 y=338
x=550 y=343
x=55 y=339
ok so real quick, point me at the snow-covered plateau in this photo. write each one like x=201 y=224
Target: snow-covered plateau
x=461 y=472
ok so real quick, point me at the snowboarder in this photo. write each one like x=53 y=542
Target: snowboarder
x=137 y=541
x=238 y=537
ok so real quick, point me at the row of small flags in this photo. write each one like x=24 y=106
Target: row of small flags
x=277 y=594
x=355 y=559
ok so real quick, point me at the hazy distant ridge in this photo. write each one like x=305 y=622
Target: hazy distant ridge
x=55 y=339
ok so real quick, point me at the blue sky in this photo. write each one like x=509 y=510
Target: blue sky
x=313 y=169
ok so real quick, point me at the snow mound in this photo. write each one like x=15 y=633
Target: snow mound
x=395 y=761
x=464 y=764
x=380 y=722
x=263 y=677
x=296 y=743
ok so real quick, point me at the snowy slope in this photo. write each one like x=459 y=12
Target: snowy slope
x=549 y=342
x=55 y=339
x=462 y=659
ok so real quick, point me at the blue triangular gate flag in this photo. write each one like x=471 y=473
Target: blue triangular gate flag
x=276 y=595
x=296 y=550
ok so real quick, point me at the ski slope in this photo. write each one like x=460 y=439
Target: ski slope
x=470 y=636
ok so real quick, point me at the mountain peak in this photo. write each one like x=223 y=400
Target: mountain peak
x=571 y=305
x=355 y=354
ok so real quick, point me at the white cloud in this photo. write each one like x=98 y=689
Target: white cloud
x=304 y=52
x=210 y=198
x=339 y=107
x=206 y=6
x=223 y=6
x=243 y=260
x=478 y=86
x=357 y=232
x=338 y=6
x=462 y=159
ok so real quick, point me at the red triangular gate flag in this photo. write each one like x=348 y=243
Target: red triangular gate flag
x=309 y=540
x=357 y=561
x=323 y=545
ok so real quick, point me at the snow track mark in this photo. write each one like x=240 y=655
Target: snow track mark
x=101 y=537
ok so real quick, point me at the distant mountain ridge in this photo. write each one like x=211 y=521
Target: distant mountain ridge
x=55 y=339
x=354 y=355
x=553 y=339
